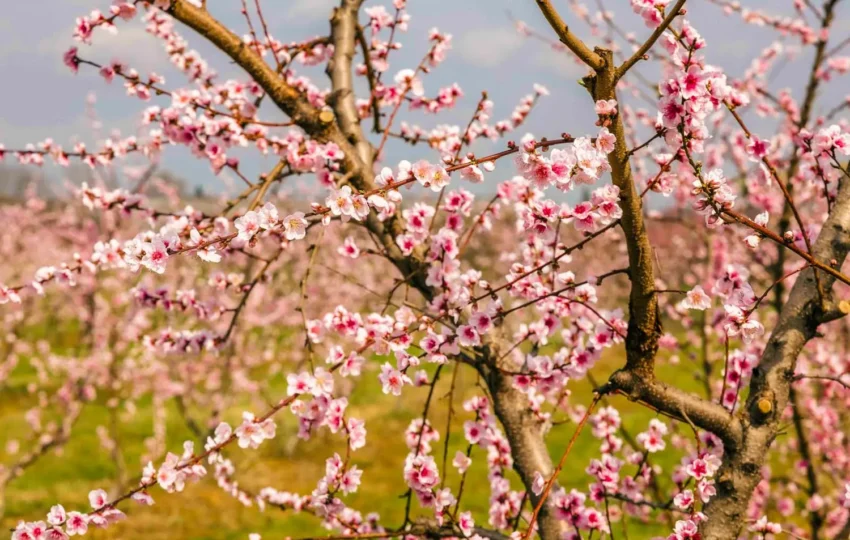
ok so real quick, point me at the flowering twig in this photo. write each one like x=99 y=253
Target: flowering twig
x=551 y=482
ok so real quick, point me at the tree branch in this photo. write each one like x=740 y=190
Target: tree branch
x=344 y=36
x=681 y=405
x=823 y=378
x=770 y=386
x=577 y=46
x=372 y=77
x=644 y=322
x=643 y=49
x=317 y=123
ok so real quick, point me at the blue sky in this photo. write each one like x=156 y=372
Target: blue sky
x=39 y=97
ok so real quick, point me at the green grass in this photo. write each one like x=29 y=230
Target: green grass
x=204 y=511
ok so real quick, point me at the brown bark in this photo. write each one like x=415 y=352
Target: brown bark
x=525 y=433
x=770 y=387
x=746 y=439
x=637 y=379
x=644 y=323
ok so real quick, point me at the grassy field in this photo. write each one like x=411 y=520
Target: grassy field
x=204 y=511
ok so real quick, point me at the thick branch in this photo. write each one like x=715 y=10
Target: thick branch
x=591 y=58
x=644 y=323
x=770 y=387
x=287 y=98
x=319 y=124
x=678 y=404
x=344 y=36
x=524 y=432
x=637 y=378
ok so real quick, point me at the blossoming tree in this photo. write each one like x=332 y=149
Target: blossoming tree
x=763 y=220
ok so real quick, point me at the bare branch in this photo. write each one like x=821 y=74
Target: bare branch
x=372 y=77
x=287 y=98
x=344 y=37
x=577 y=46
x=838 y=380
x=678 y=404
x=560 y=466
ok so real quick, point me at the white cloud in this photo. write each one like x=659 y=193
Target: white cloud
x=311 y=10
x=488 y=47
x=558 y=61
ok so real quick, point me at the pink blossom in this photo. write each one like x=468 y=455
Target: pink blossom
x=57 y=515
x=156 y=255
x=538 y=484
x=97 y=498
x=684 y=500
x=757 y=148
x=606 y=107
x=71 y=60
x=392 y=380
x=461 y=461
x=248 y=225
x=349 y=248
x=295 y=226
x=468 y=336
x=765 y=526
x=267 y=216
x=251 y=433
x=76 y=523
x=8 y=295
x=465 y=523
x=696 y=299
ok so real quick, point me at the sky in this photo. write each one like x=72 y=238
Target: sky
x=40 y=97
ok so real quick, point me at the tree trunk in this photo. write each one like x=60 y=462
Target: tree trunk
x=770 y=386
x=525 y=434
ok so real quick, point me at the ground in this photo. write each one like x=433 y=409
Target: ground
x=204 y=511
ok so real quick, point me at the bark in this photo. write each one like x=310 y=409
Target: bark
x=577 y=46
x=321 y=125
x=684 y=406
x=525 y=433
x=746 y=438
x=805 y=115
x=342 y=98
x=770 y=387
x=798 y=319
x=637 y=379
x=644 y=323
